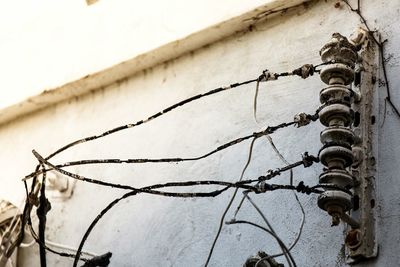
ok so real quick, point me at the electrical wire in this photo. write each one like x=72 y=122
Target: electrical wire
x=307 y=161
x=30 y=244
x=222 y=219
x=304 y=71
x=30 y=196
x=279 y=154
x=255 y=101
x=267 y=131
x=44 y=207
x=62 y=254
x=270 y=228
x=283 y=159
x=152 y=117
x=264 y=217
x=28 y=206
x=271 y=174
x=265 y=76
x=116 y=201
x=133 y=193
x=150 y=190
x=44 y=161
x=221 y=222
x=26 y=216
x=57 y=245
x=297 y=236
x=269 y=232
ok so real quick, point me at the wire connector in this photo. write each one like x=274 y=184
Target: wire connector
x=303 y=119
x=263 y=187
x=267 y=76
x=99 y=261
x=262 y=259
x=302 y=188
x=304 y=71
x=308 y=160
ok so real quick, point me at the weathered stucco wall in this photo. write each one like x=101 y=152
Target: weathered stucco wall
x=156 y=231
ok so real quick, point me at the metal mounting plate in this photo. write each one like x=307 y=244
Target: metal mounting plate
x=364 y=169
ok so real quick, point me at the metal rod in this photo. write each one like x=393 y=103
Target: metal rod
x=350 y=221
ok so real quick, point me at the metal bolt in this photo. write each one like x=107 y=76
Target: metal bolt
x=353 y=239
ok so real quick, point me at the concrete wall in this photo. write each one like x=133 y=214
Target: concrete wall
x=156 y=231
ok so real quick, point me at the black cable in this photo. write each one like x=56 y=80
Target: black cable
x=95 y=221
x=61 y=254
x=214 y=193
x=35 y=237
x=44 y=207
x=301 y=208
x=150 y=190
x=269 y=232
x=152 y=117
x=26 y=216
x=28 y=204
x=301 y=188
x=263 y=187
x=99 y=261
x=266 y=131
x=269 y=226
x=221 y=221
x=112 y=204
x=305 y=70
x=283 y=159
x=306 y=161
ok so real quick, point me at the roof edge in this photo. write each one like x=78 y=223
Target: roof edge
x=108 y=76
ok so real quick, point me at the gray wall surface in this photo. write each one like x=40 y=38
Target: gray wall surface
x=150 y=230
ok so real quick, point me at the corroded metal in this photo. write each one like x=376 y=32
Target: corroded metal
x=262 y=259
x=363 y=244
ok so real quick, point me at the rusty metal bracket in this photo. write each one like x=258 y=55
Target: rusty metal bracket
x=361 y=242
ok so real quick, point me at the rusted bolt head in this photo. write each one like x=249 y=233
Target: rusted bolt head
x=353 y=239
x=336 y=212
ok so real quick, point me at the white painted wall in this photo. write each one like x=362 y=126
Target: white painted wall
x=155 y=231
x=51 y=43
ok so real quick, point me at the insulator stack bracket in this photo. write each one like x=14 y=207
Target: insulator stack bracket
x=347 y=112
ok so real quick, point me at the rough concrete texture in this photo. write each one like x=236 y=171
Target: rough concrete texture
x=156 y=231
